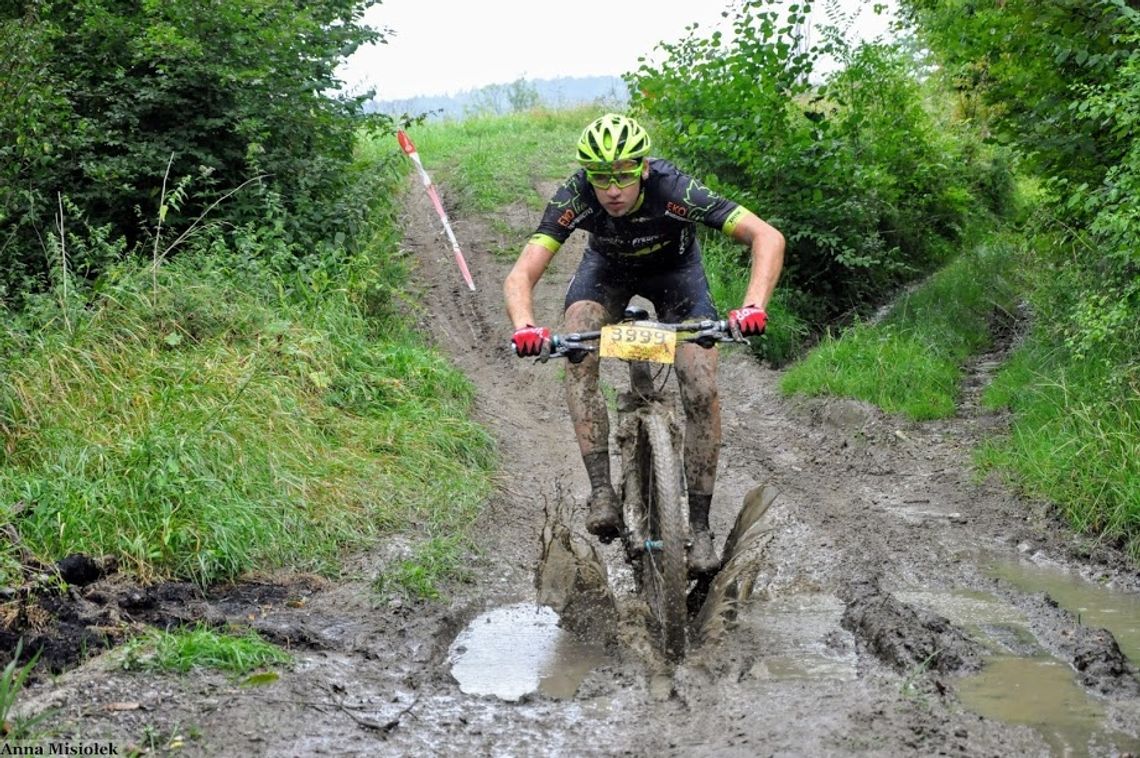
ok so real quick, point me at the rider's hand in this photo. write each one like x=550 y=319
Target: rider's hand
x=530 y=340
x=748 y=321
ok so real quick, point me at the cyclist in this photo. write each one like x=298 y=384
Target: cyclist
x=641 y=214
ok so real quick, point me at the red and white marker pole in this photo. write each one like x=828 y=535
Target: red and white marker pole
x=410 y=149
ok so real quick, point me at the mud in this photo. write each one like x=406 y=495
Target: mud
x=880 y=532
x=910 y=640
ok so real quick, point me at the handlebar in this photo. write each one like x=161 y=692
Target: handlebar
x=706 y=333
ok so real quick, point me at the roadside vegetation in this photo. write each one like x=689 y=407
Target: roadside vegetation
x=206 y=336
x=201 y=647
x=905 y=161
x=911 y=361
x=1060 y=84
x=488 y=162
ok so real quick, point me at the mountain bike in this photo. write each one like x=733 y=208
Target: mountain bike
x=654 y=505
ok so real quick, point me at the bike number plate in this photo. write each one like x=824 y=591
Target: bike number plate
x=631 y=342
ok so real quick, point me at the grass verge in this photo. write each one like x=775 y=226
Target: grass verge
x=911 y=361
x=200 y=647
x=232 y=409
x=1075 y=436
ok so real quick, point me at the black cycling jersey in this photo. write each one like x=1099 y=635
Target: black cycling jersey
x=658 y=230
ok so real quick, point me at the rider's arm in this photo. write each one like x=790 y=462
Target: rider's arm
x=518 y=289
x=767 y=246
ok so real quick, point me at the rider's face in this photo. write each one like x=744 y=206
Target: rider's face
x=619 y=201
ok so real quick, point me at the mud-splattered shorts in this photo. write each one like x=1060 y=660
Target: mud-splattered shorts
x=678 y=293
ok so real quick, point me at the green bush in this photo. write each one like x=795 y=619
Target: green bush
x=867 y=185
x=131 y=110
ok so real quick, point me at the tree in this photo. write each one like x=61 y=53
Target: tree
x=117 y=99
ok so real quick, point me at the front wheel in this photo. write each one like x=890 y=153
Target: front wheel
x=664 y=574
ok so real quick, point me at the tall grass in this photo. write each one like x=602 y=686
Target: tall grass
x=911 y=361
x=1075 y=436
x=222 y=414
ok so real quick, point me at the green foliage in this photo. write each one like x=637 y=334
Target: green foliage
x=1075 y=439
x=889 y=368
x=788 y=329
x=868 y=187
x=1074 y=389
x=222 y=411
x=12 y=681
x=910 y=362
x=201 y=647
x=1017 y=66
x=111 y=103
x=1061 y=82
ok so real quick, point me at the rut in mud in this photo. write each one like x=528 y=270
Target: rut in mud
x=888 y=584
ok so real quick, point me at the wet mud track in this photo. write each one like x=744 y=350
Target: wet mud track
x=903 y=606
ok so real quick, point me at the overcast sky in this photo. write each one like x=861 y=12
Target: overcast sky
x=442 y=47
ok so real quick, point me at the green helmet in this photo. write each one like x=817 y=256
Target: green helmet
x=612 y=137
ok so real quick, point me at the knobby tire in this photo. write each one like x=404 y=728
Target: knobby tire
x=664 y=571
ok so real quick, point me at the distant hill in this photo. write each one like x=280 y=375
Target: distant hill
x=521 y=94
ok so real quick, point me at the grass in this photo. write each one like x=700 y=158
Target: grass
x=225 y=414
x=488 y=163
x=12 y=681
x=200 y=647
x=1075 y=438
x=432 y=562
x=911 y=361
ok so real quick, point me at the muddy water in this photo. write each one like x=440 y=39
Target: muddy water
x=802 y=638
x=516 y=650
x=1021 y=684
x=1095 y=605
x=1042 y=693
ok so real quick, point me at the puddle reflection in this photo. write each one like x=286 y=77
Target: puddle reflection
x=518 y=649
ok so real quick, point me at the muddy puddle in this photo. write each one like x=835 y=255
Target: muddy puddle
x=802 y=638
x=1042 y=693
x=518 y=650
x=1093 y=604
x=1020 y=683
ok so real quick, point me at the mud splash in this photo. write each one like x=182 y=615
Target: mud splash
x=802 y=638
x=572 y=579
x=516 y=650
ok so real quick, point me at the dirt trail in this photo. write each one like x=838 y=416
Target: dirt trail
x=855 y=642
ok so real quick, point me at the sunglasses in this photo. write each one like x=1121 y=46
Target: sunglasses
x=604 y=174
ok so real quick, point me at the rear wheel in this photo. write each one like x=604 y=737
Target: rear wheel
x=663 y=571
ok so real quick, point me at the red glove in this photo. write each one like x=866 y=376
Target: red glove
x=747 y=321
x=529 y=340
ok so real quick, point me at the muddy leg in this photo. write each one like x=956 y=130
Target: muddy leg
x=696 y=374
x=591 y=423
x=583 y=393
